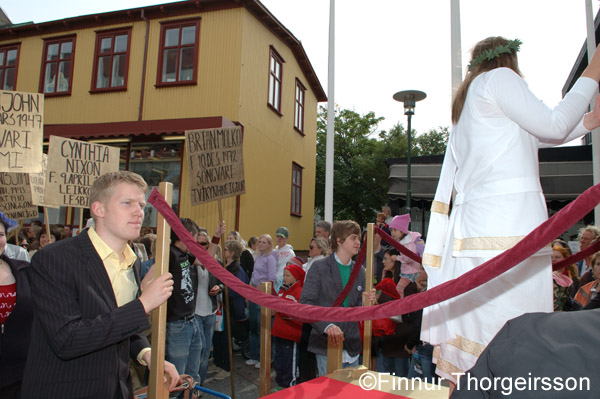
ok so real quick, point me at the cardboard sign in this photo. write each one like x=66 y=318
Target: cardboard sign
x=21 y=131
x=15 y=196
x=215 y=163
x=73 y=166
x=37 y=182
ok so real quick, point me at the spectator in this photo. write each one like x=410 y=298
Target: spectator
x=89 y=319
x=392 y=354
x=183 y=345
x=265 y=269
x=590 y=290
x=564 y=280
x=16 y=302
x=206 y=307
x=387 y=211
x=323 y=229
x=318 y=248
x=324 y=283
x=284 y=253
x=286 y=330
x=587 y=235
x=237 y=310
x=411 y=240
x=246 y=259
x=252 y=241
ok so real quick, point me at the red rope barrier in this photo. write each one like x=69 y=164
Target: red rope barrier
x=534 y=241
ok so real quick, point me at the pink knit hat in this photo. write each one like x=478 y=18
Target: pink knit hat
x=400 y=222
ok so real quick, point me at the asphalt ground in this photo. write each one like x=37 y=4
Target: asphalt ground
x=246 y=380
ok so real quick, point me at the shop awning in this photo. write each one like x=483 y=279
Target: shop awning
x=135 y=128
x=565 y=172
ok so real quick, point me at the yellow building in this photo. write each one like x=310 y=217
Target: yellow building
x=139 y=78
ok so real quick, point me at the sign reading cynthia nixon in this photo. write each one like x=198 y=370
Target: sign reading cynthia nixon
x=73 y=166
x=21 y=131
x=215 y=163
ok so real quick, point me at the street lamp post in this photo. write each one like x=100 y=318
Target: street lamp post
x=409 y=98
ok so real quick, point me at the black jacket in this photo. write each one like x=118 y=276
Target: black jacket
x=15 y=335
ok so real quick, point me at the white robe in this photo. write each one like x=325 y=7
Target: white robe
x=492 y=164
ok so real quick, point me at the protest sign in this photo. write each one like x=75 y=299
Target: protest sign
x=73 y=166
x=37 y=182
x=215 y=163
x=15 y=196
x=21 y=131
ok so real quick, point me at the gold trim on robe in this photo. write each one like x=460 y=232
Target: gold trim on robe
x=486 y=243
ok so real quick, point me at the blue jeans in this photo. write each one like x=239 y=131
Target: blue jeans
x=425 y=353
x=398 y=366
x=322 y=364
x=184 y=346
x=207 y=328
x=254 y=316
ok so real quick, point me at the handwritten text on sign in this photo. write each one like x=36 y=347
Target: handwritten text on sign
x=215 y=163
x=15 y=196
x=73 y=166
x=21 y=131
x=38 y=184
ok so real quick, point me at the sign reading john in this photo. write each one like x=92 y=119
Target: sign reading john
x=15 y=196
x=215 y=163
x=73 y=166
x=21 y=131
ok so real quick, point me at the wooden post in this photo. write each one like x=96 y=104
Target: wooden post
x=334 y=356
x=81 y=218
x=265 y=344
x=226 y=312
x=47 y=222
x=368 y=287
x=156 y=387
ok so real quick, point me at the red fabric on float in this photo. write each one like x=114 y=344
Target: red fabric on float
x=325 y=387
x=534 y=241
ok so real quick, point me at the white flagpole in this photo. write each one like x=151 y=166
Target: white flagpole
x=591 y=47
x=455 y=45
x=330 y=117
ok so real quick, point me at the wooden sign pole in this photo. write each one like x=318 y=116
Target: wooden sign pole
x=265 y=344
x=228 y=318
x=368 y=288
x=156 y=387
x=47 y=222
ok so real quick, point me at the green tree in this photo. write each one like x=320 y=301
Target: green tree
x=360 y=171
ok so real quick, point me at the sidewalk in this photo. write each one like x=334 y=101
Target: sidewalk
x=246 y=380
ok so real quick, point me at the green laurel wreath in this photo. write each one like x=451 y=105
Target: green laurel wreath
x=490 y=54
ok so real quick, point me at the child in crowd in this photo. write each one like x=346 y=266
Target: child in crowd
x=412 y=241
x=287 y=331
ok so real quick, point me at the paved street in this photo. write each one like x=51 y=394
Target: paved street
x=246 y=380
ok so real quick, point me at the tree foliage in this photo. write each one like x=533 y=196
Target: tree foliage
x=360 y=172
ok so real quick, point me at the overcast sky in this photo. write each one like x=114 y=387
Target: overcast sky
x=384 y=46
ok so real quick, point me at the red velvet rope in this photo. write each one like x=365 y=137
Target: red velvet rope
x=534 y=241
x=361 y=258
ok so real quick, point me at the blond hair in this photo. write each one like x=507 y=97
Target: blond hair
x=102 y=189
x=505 y=60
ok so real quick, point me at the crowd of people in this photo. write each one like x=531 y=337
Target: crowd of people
x=76 y=317
x=196 y=328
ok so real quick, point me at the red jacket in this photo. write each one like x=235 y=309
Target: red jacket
x=283 y=326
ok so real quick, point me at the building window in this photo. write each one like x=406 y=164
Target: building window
x=178 y=53
x=296 y=189
x=275 y=80
x=9 y=64
x=57 y=67
x=299 y=107
x=111 y=60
